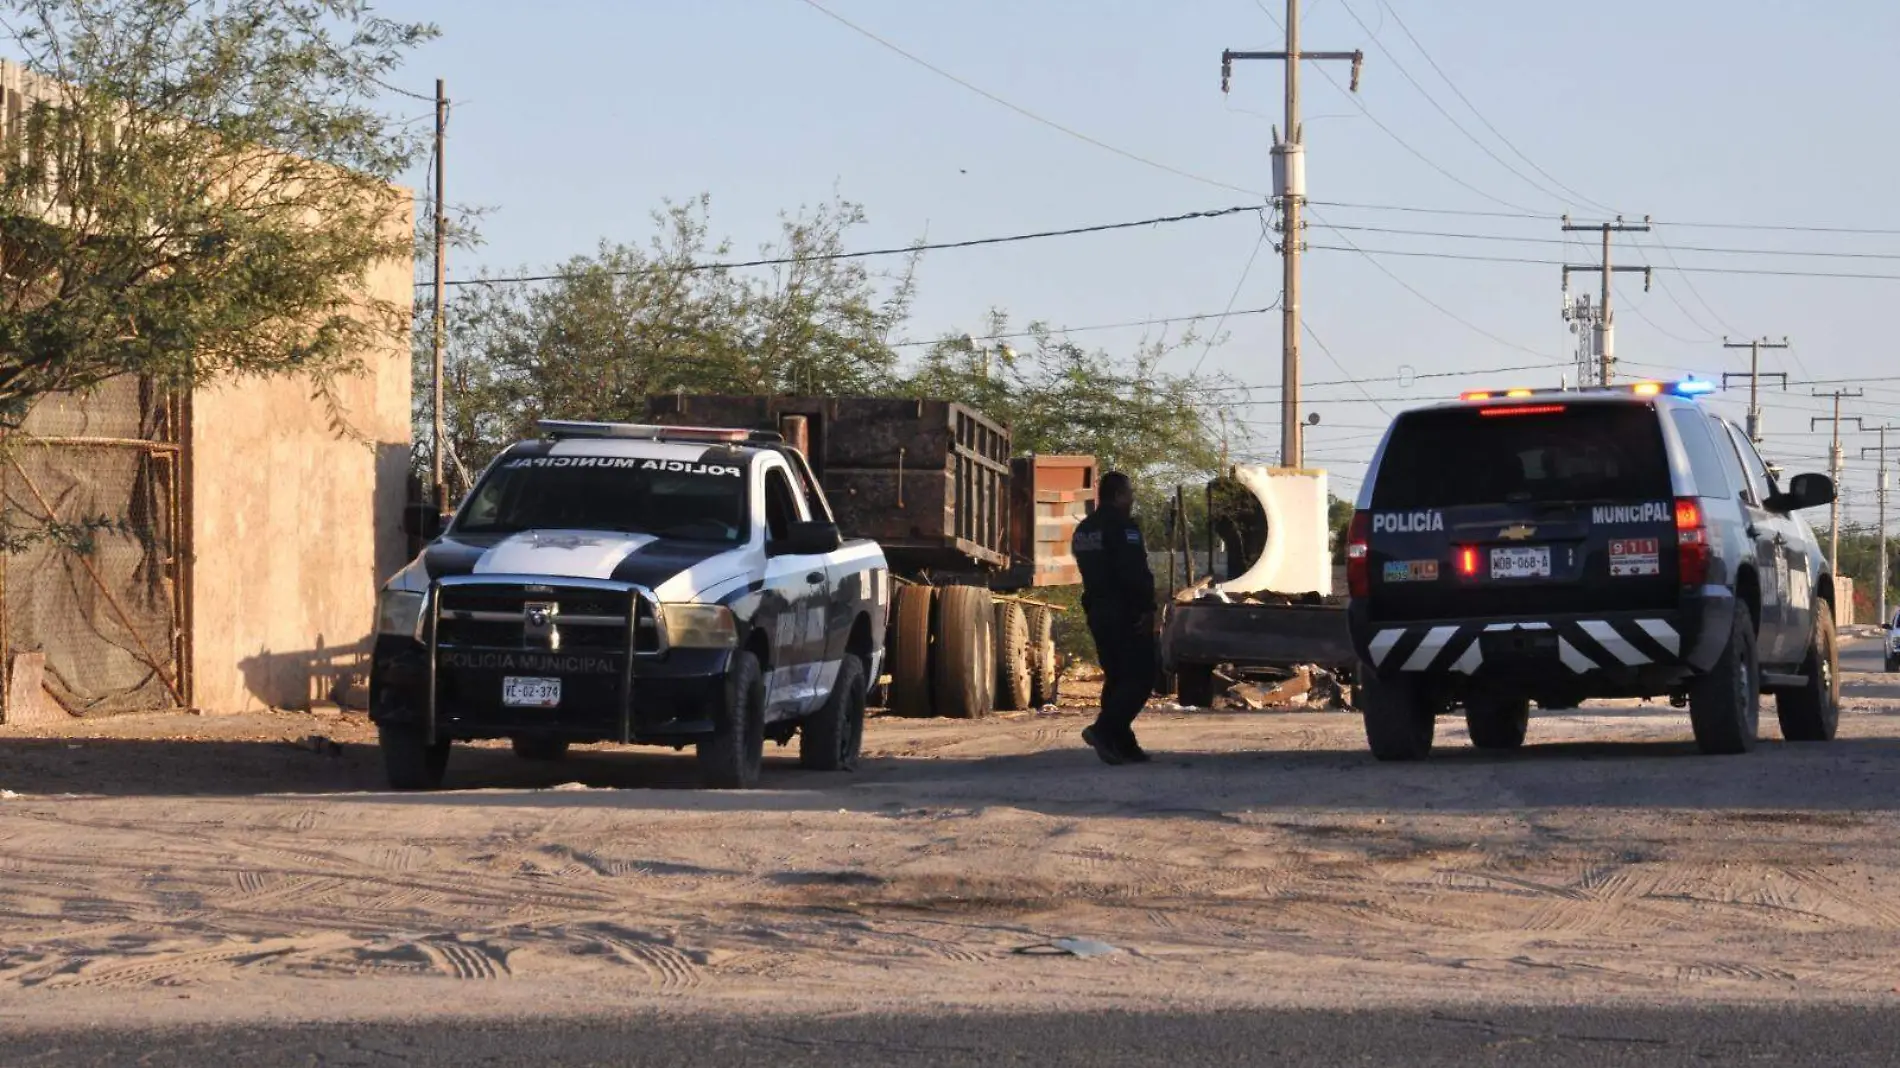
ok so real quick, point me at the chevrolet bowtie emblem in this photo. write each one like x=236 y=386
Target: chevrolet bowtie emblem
x=1517 y=533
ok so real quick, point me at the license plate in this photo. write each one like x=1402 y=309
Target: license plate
x=1521 y=561
x=530 y=693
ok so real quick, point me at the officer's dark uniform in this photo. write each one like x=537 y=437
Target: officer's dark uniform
x=1118 y=595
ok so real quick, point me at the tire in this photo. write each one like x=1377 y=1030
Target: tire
x=1194 y=685
x=540 y=748
x=1012 y=657
x=1399 y=721
x=731 y=758
x=910 y=652
x=1497 y=722
x=965 y=666
x=409 y=761
x=1893 y=664
x=1813 y=713
x=1045 y=673
x=833 y=736
x=1725 y=704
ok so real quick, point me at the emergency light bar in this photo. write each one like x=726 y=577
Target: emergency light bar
x=1687 y=387
x=567 y=428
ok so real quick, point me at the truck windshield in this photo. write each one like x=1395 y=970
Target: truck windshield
x=1579 y=452
x=664 y=498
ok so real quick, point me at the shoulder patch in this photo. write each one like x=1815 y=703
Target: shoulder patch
x=1134 y=536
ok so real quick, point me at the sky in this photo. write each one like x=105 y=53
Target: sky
x=1721 y=121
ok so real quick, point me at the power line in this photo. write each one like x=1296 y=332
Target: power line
x=1387 y=130
x=1168 y=321
x=1389 y=10
x=1231 y=299
x=1025 y=112
x=1360 y=386
x=1441 y=309
x=1440 y=108
x=906 y=250
x=1761 y=272
x=1859 y=231
x=1725 y=250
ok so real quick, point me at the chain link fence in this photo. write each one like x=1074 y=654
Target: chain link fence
x=91 y=503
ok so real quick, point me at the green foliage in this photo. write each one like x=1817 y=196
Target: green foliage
x=627 y=322
x=1860 y=561
x=201 y=193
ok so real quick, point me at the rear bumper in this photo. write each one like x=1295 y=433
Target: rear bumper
x=1596 y=653
x=671 y=700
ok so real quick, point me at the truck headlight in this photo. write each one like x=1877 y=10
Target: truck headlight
x=699 y=626
x=399 y=613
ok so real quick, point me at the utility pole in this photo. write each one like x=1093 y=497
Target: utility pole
x=440 y=486
x=1880 y=495
x=1289 y=186
x=1754 y=377
x=1835 y=466
x=1605 y=325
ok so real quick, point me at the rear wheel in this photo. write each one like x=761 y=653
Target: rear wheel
x=409 y=761
x=966 y=652
x=1194 y=685
x=732 y=757
x=1497 y=722
x=1012 y=657
x=1813 y=712
x=1045 y=681
x=831 y=739
x=540 y=748
x=910 y=652
x=1725 y=704
x=1400 y=722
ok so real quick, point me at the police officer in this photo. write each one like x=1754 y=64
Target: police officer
x=1118 y=596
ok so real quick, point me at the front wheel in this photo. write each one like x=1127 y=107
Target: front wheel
x=1813 y=712
x=1725 y=704
x=732 y=758
x=834 y=735
x=1400 y=721
x=410 y=761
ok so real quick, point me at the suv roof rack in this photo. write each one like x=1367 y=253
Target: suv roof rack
x=569 y=428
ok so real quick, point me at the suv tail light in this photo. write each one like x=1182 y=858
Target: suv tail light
x=1692 y=542
x=1359 y=555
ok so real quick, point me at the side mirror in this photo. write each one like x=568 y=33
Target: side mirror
x=1804 y=491
x=809 y=539
x=422 y=521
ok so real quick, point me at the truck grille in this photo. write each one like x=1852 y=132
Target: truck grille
x=550 y=616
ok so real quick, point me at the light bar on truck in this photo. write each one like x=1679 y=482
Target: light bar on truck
x=567 y=428
x=1686 y=387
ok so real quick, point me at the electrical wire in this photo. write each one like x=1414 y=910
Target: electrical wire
x=1025 y=112
x=1232 y=298
x=905 y=250
x=1387 y=130
x=1858 y=231
x=1168 y=321
x=1759 y=272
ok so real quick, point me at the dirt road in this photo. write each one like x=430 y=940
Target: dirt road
x=208 y=869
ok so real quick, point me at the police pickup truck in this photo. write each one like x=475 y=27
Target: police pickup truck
x=634 y=584
x=1525 y=546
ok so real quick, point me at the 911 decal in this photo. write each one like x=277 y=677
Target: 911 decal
x=1635 y=556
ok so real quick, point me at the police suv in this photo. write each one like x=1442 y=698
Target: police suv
x=1551 y=546
x=621 y=583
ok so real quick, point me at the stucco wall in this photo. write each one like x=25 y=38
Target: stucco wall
x=294 y=527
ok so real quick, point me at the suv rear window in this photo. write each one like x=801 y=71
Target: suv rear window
x=1446 y=458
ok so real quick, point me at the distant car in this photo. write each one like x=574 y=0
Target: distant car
x=1893 y=643
x=1552 y=546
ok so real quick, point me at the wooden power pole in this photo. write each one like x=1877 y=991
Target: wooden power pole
x=1289 y=187
x=440 y=484
x=1605 y=325
x=1880 y=532
x=1754 y=376
x=1835 y=467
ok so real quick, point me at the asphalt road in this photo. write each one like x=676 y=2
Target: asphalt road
x=1554 y=1038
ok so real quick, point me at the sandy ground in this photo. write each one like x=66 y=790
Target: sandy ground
x=178 y=869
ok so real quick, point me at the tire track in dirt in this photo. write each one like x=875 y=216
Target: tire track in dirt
x=466 y=960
